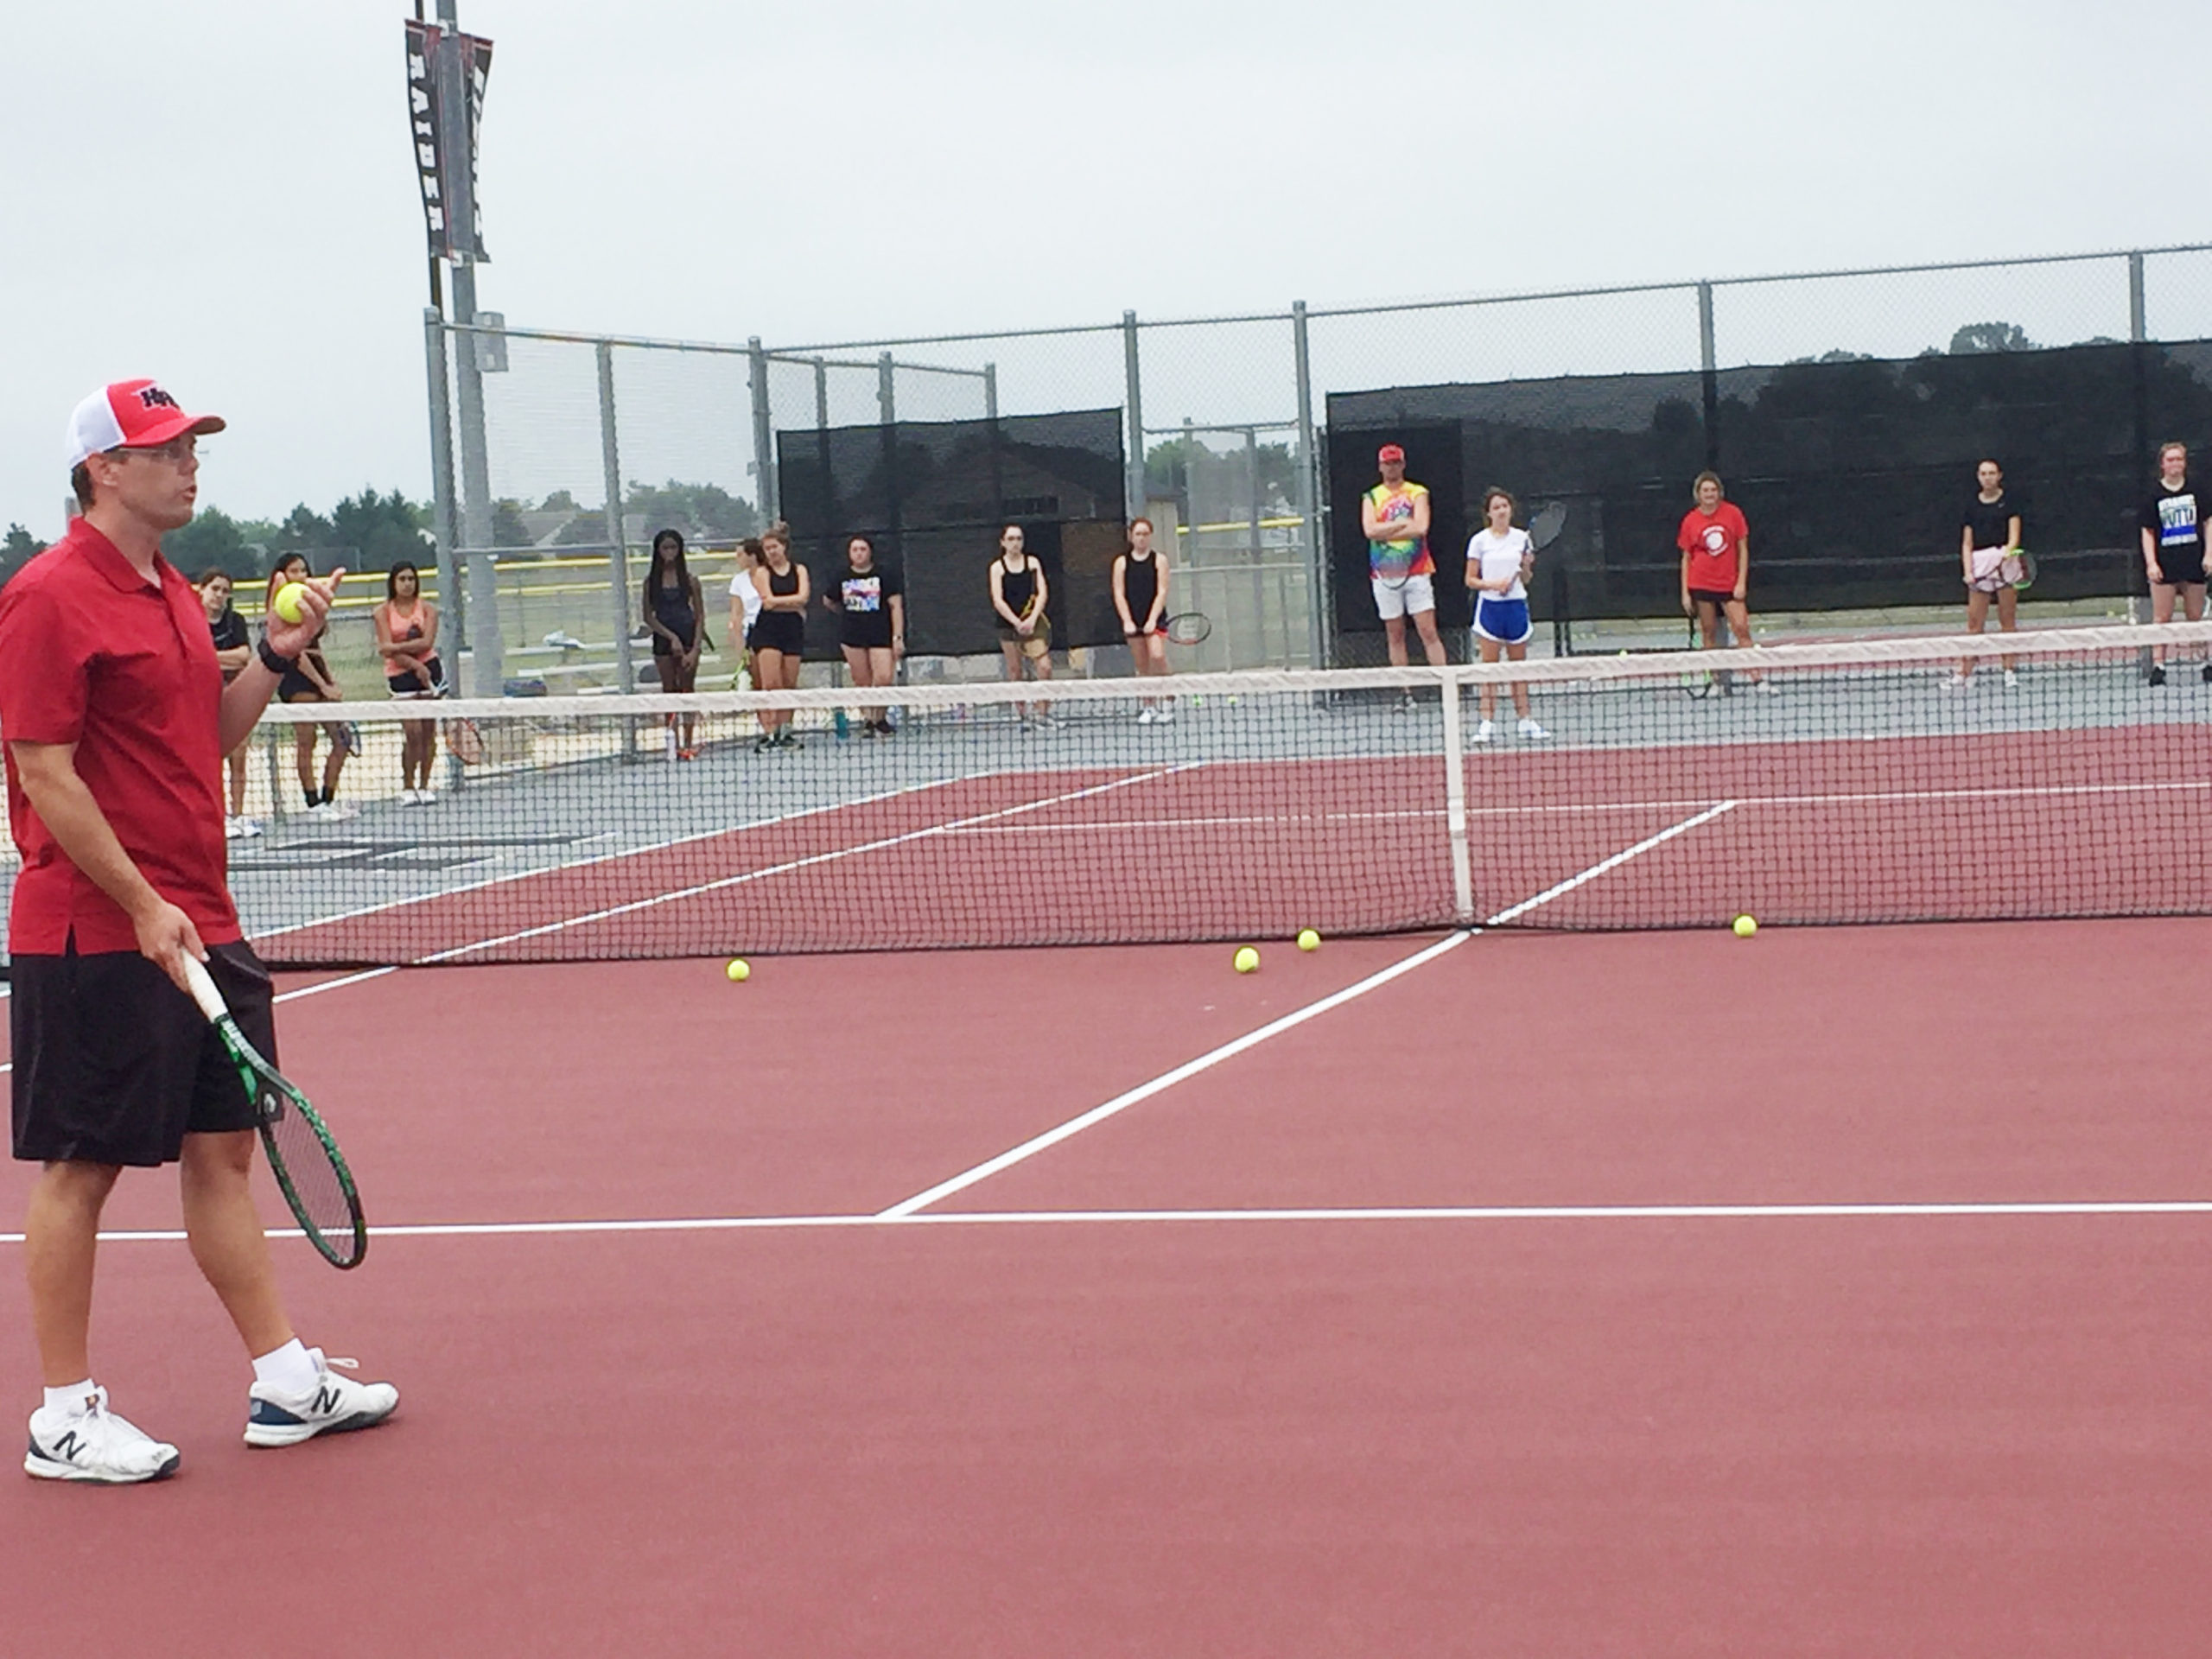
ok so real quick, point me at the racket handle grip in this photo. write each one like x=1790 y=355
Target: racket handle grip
x=203 y=989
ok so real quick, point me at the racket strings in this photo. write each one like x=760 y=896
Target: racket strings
x=325 y=1200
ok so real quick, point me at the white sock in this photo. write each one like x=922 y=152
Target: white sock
x=288 y=1368
x=68 y=1403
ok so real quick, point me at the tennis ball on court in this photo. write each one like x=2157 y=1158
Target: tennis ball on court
x=1309 y=939
x=1245 y=960
x=287 y=602
x=1746 y=926
x=739 y=970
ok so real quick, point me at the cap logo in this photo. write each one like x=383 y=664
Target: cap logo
x=154 y=398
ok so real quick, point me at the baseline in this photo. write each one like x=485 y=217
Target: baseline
x=1856 y=1211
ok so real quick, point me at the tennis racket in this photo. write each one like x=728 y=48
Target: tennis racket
x=310 y=1171
x=1191 y=628
x=466 y=741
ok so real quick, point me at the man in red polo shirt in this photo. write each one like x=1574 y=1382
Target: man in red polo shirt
x=116 y=721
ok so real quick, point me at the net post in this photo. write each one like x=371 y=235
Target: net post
x=1133 y=463
x=764 y=456
x=1455 y=800
x=1317 y=573
x=618 y=559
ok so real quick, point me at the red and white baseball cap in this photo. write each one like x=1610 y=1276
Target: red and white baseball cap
x=130 y=414
x=1389 y=452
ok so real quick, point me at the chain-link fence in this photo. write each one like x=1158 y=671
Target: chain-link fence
x=560 y=454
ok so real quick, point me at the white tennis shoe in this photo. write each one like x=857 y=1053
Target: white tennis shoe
x=1531 y=731
x=336 y=1405
x=95 y=1445
x=1485 y=731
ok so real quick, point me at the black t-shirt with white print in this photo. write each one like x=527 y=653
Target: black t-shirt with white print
x=2175 y=521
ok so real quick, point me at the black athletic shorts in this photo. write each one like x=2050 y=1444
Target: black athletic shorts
x=116 y=1066
x=1710 y=596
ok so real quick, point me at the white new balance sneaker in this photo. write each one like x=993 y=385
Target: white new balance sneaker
x=336 y=1405
x=1485 y=731
x=1532 y=732
x=95 y=1445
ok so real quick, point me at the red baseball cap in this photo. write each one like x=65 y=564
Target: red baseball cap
x=1389 y=452
x=130 y=414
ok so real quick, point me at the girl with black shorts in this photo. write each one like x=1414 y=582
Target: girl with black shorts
x=870 y=600
x=407 y=640
x=676 y=612
x=309 y=680
x=780 y=632
x=1018 y=600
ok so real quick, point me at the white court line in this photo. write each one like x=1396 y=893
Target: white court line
x=1297 y=1017
x=7 y=1066
x=1513 y=911
x=785 y=869
x=1574 y=809
x=1142 y=1217
x=645 y=851
x=1206 y=1062
x=365 y=975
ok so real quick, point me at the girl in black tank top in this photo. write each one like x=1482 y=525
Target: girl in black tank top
x=780 y=632
x=1020 y=601
x=1141 y=596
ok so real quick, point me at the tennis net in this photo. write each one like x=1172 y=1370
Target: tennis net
x=1858 y=783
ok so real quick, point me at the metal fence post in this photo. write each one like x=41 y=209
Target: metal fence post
x=887 y=390
x=450 y=595
x=1309 y=494
x=821 y=395
x=1252 y=520
x=1134 y=462
x=990 y=392
x=618 y=558
x=486 y=655
x=1708 y=365
x=764 y=441
x=2138 y=333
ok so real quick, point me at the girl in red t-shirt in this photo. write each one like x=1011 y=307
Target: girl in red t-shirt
x=1716 y=546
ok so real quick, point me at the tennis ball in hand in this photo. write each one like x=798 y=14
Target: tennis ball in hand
x=1245 y=960
x=739 y=970
x=1746 y=926
x=287 y=602
x=1309 y=939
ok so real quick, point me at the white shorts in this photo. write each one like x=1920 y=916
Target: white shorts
x=1395 y=598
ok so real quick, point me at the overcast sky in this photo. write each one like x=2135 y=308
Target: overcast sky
x=221 y=193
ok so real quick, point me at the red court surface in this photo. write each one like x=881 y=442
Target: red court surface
x=1058 y=1418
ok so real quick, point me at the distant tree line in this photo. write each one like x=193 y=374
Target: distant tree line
x=368 y=532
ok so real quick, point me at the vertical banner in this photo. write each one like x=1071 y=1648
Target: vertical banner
x=447 y=172
x=422 y=113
